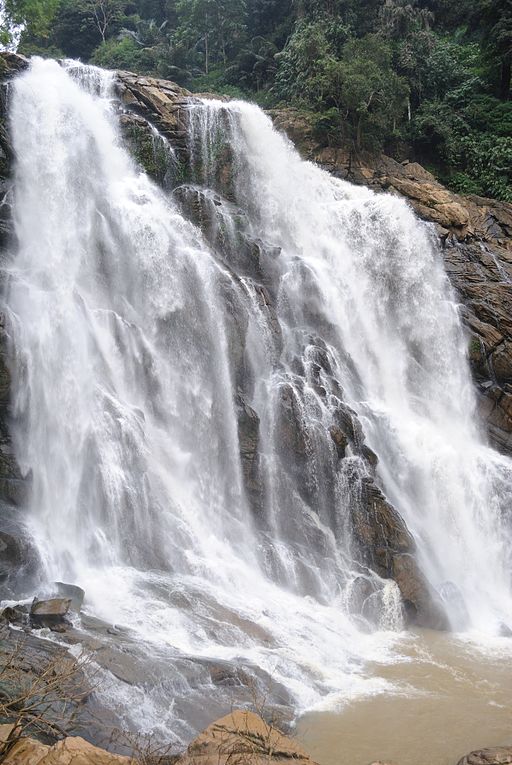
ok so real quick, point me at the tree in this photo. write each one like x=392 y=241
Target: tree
x=302 y=64
x=74 y=31
x=104 y=13
x=36 y=15
x=211 y=25
x=366 y=90
x=399 y=18
x=494 y=18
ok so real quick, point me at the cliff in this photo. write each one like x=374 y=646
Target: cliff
x=475 y=236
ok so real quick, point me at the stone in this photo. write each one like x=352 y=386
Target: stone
x=73 y=592
x=72 y=750
x=421 y=605
x=45 y=613
x=243 y=738
x=37 y=662
x=505 y=630
x=340 y=440
x=249 y=438
x=496 y=756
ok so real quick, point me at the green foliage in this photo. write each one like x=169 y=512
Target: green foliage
x=432 y=76
x=487 y=159
x=355 y=78
x=37 y=14
x=124 y=54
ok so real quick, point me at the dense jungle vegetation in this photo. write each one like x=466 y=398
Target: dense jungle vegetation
x=424 y=79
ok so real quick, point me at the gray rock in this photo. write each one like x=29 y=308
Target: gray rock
x=73 y=592
x=46 y=613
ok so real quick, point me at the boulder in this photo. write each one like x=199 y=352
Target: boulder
x=31 y=662
x=73 y=592
x=421 y=604
x=500 y=755
x=46 y=613
x=70 y=751
x=243 y=738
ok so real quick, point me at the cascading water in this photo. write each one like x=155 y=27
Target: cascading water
x=151 y=364
x=360 y=268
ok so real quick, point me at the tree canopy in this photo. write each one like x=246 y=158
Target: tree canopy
x=421 y=79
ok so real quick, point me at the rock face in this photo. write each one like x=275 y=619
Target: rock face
x=243 y=738
x=476 y=236
x=47 y=673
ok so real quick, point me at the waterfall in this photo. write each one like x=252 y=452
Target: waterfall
x=175 y=388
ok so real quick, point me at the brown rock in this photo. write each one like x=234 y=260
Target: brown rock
x=495 y=756
x=422 y=607
x=49 y=612
x=387 y=547
x=72 y=750
x=243 y=738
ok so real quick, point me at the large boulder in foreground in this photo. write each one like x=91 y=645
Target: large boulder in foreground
x=499 y=755
x=243 y=738
x=75 y=750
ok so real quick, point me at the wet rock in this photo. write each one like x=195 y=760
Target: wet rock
x=243 y=737
x=17 y=614
x=18 y=562
x=386 y=546
x=37 y=663
x=369 y=455
x=421 y=605
x=505 y=630
x=161 y=102
x=73 y=592
x=14 y=486
x=455 y=605
x=47 y=613
x=291 y=428
x=249 y=437
x=340 y=440
x=497 y=756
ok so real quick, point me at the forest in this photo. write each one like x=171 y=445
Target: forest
x=427 y=80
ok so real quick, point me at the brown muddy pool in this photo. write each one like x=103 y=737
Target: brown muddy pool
x=448 y=695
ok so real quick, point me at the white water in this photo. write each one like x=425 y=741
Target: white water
x=126 y=376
